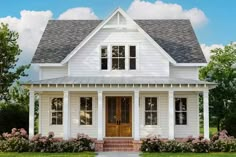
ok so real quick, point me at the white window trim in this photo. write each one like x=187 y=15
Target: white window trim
x=93 y=111
x=143 y=110
x=50 y=111
x=127 y=56
x=100 y=56
x=186 y=97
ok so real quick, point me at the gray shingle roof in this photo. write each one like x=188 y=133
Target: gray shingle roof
x=176 y=37
x=118 y=80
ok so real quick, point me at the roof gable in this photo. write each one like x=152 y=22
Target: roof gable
x=174 y=38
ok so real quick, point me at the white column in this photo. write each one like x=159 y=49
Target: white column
x=206 y=113
x=66 y=120
x=31 y=114
x=100 y=115
x=171 y=115
x=136 y=115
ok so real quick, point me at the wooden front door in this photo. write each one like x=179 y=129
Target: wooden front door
x=118 y=116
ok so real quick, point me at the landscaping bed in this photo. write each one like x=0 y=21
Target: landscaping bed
x=220 y=142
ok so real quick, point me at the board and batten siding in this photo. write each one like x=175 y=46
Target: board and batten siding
x=53 y=72
x=184 y=72
x=150 y=62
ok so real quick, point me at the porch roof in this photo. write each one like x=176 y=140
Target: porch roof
x=118 y=80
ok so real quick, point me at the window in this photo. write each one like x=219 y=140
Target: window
x=150 y=111
x=56 y=111
x=132 y=57
x=86 y=111
x=180 y=111
x=118 y=57
x=104 y=58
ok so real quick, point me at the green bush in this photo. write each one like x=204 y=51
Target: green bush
x=220 y=142
x=17 y=141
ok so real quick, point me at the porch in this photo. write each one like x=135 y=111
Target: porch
x=135 y=127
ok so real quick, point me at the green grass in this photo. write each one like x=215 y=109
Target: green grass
x=189 y=155
x=212 y=131
x=87 y=154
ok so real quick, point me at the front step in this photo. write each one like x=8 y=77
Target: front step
x=125 y=145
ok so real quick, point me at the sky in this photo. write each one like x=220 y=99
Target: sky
x=213 y=20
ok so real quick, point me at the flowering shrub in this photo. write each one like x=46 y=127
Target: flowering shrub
x=220 y=142
x=17 y=141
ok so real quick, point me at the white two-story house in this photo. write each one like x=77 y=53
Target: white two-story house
x=119 y=78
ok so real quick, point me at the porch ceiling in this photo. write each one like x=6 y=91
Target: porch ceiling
x=118 y=80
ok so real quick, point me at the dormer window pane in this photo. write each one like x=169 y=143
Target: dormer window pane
x=132 y=57
x=104 y=58
x=118 y=57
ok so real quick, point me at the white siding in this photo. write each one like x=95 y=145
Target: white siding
x=184 y=72
x=76 y=128
x=45 y=115
x=161 y=130
x=192 y=127
x=150 y=62
x=53 y=72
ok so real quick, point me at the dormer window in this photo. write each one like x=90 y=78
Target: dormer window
x=118 y=57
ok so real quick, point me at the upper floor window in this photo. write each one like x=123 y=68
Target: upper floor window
x=151 y=111
x=180 y=111
x=118 y=57
x=86 y=113
x=56 y=111
x=104 y=58
x=132 y=57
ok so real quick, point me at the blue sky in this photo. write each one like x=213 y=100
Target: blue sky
x=221 y=14
x=213 y=20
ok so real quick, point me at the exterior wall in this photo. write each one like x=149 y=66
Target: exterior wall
x=161 y=130
x=75 y=121
x=45 y=115
x=192 y=127
x=52 y=72
x=184 y=72
x=150 y=62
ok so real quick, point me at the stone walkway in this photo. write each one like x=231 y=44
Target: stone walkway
x=117 y=154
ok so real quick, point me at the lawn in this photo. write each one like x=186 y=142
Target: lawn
x=47 y=154
x=189 y=155
x=212 y=131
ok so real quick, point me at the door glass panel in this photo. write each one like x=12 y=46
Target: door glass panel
x=111 y=110
x=124 y=110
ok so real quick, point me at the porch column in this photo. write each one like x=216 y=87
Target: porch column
x=100 y=115
x=31 y=114
x=66 y=120
x=136 y=115
x=206 y=113
x=171 y=115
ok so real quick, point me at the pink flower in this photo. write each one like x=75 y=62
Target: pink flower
x=13 y=130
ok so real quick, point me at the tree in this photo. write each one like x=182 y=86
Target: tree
x=9 y=52
x=222 y=99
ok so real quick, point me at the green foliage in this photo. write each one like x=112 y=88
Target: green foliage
x=13 y=116
x=17 y=141
x=9 y=52
x=222 y=99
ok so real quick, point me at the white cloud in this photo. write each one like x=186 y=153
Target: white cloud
x=140 y=9
x=207 y=49
x=30 y=27
x=78 y=13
